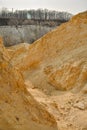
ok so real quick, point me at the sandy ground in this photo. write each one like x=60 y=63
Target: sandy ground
x=47 y=84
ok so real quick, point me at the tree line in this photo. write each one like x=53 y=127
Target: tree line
x=41 y=14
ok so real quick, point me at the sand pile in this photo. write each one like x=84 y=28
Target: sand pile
x=46 y=82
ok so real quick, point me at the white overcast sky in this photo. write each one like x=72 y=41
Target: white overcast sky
x=72 y=6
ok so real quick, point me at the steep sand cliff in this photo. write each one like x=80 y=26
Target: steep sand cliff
x=18 y=108
x=44 y=85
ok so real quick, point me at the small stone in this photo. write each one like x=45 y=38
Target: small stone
x=80 y=105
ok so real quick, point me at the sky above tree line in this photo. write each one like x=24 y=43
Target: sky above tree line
x=71 y=6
